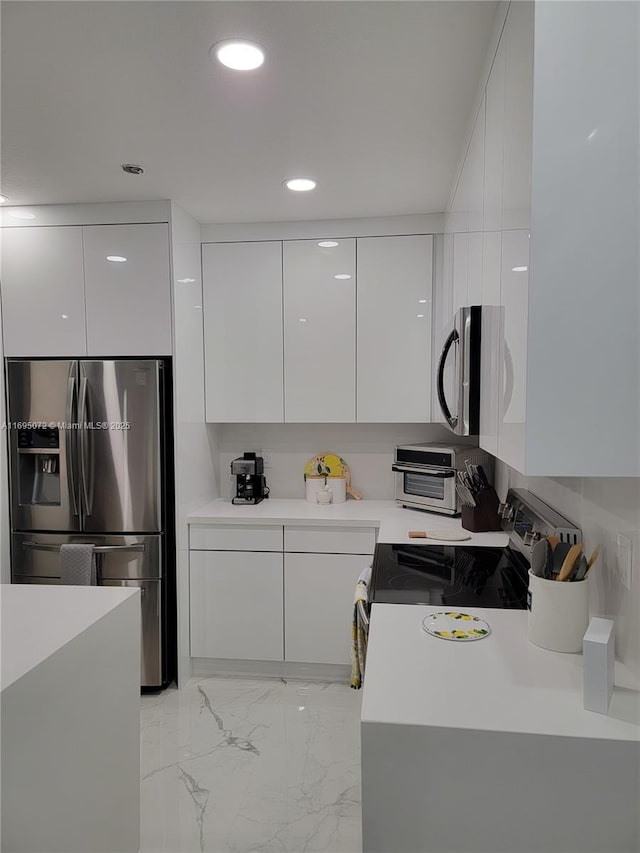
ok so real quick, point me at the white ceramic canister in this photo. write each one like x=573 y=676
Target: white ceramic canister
x=559 y=613
x=338 y=486
x=312 y=486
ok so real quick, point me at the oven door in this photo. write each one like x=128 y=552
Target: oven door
x=422 y=487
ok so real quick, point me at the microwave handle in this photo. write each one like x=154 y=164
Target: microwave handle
x=453 y=338
x=442 y=473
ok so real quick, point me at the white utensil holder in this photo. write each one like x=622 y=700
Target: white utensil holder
x=312 y=486
x=338 y=486
x=558 y=613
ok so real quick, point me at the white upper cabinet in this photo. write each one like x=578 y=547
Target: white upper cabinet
x=583 y=380
x=43 y=292
x=460 y=270
x=242 y=285
x=127 y=289
x=394 y=329
x=475 y=158
x=319 y=331
x=494 y=143
x=518 y=115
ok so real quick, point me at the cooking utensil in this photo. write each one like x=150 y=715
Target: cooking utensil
x=541 y=556
x=573 y=556
x=355 y=494
x=559 y=554
x=592 y=559
x=580 y=570
x=466 y=496
x=483 y=477
x=553 y=541
x=442 y=535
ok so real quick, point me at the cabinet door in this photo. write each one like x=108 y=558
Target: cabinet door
x=460 y=271
x=512 y=397
x=494 y=143
x=319 y=332
x=318 y=596
x=518 y=115
x=236 y=605
x=475 y=157
x=43 y=292
x=394 y=329
x=128 y=301
x=242 y=285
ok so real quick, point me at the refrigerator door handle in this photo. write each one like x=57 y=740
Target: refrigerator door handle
x=99 y=549
x=85 y=450
x=69 y=433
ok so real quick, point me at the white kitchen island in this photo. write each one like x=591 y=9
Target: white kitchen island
x=484 y=746
x=70 y=719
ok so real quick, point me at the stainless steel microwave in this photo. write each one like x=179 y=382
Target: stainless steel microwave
x=426 y=475
x=458 y=373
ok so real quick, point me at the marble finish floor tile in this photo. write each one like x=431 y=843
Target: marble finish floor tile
x=242 y=765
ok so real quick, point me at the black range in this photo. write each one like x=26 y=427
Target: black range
x=451 y=576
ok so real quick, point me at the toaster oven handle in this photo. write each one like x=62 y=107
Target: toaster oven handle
x=453 y=338
x=443 y=473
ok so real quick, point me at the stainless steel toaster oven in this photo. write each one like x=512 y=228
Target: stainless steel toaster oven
x=426 y=475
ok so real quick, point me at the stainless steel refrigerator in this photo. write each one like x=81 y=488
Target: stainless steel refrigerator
x=89 y=446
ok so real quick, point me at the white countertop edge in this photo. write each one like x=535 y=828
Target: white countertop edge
x=32 y=630
x=392 y=521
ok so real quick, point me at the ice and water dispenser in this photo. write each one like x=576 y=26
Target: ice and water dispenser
x=39 y=467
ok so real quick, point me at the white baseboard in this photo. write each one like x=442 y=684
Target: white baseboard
x=204 y=667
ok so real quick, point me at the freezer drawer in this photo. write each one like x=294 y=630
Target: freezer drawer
x=117 y=557
x=151 y=674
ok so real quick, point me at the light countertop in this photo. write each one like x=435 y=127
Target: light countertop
x=500 y=683
x=37 y=620
x=393 y=521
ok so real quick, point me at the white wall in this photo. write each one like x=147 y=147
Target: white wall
x=601 y=507
x=368 y=448
x=195 y=447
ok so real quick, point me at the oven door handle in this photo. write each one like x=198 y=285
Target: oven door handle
x=442 y=473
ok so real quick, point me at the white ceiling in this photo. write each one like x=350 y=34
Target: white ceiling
x=370 y=98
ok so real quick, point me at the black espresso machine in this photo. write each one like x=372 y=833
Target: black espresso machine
x=251 y=486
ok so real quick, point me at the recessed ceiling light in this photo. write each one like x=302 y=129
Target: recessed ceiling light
x=116 y=259
x=22 y=214
x=420 y=315
x=300 y=185
x=65 y=316
x=327 y=244
x=186 y=280
x=3 y=199
x=302 y=319
x=343 y=276
x=422 y=301
x=197 y=306
x=237 y=54
x=519 y=269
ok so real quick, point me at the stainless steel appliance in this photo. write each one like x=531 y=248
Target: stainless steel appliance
x=426 y=475
x=90 y=462
x=458 y=373
x=463 y=575
x=251 y=486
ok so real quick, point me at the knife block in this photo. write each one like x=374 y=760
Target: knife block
x=484 y=517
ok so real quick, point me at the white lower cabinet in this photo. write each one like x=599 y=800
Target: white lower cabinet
x=236 y=605
x=318 y=603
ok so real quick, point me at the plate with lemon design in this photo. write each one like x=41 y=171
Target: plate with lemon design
x=460 y=627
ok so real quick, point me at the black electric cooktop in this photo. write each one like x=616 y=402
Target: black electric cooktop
x=450 y=576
